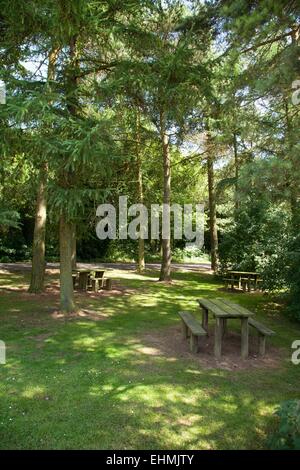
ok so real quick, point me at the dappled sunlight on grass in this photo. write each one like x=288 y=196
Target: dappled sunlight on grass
x=33 y=391
x=101 y=381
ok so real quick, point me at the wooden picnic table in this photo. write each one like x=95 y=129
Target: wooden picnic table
x=223 y=310
x=84 y=276
x=239 y=275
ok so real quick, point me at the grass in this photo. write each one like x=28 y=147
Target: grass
x=88 y=384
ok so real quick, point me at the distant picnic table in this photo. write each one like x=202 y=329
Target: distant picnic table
x=85 y=279
x=243 y=279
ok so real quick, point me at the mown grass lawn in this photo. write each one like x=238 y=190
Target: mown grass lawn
x=88 y=384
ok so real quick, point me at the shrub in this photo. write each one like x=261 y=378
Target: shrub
x=287 y=436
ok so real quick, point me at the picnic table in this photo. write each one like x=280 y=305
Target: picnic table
x=87 y=278
x=224 y=310
x=243 y=278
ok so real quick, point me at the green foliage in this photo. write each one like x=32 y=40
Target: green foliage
x=13 y=246
x=258 y=240
x=165 y=62
x=186 y=255
x=293 y=275
x=9 y=218
x=287 y=436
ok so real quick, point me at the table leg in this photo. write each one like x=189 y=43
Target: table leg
x=262 y=345
x=193 y=343
x=218 y=338
x=244 y=338
x=184 y=330
x=83 y=281
x=224 y=327
x=240 y=282
x=249 y=284
x=205 y=319
x=95 y=284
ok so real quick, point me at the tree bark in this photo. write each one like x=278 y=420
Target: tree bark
x=66 y=234
x=38 y=246
x=67 y=229
x=74 y=247
x=141 y=248
x=212 y=205
x=236 y=169
x=165 y=272
x=39 y=235
x=294 y=172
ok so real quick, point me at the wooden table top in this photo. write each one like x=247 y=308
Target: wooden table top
x=81 y=270
x=85 y=270
x=247 y=273
x=225 y=308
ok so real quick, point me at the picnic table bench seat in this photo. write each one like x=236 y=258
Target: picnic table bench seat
x=97 y=280
x=263 y=332
x=100 y=282
x=192 y=328
x=108 y=283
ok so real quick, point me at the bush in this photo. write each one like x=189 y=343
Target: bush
x=189 y=254
x=13 y=247
x=288 y=434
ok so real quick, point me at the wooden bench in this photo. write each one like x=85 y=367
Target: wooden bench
x=263 y=332
x=97 y=280
x=107 y=283
x=98 y=283
x=191 y=327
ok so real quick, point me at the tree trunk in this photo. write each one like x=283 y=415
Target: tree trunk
x=212 y=206
x=66 y=233
x=38 y=246
x=236 y=168
x=67 y=229
x=294 y=175
x=165 y=272
x=292 y=180
x=74 y=255
x=39 y=235
x=141 y=251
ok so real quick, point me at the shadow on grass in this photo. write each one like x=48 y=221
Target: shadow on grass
x=79 y=383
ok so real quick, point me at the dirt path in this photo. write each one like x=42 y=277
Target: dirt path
x=204 y=267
